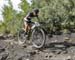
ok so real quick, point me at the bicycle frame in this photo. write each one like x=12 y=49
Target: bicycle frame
x=36 y=24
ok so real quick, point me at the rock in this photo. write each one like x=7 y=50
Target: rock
x=10 y=36
x=53 y=51
x=59 y=52
x=27 y=59
x=65 y=52
x=69 y=58
x=4 y=56
x=37 y=51
x=48 y=56
x=66 y=38
x=2 y=50
x=2 y=37
x=32 y=53
x=20 y=58
x=29 y=54
x=24 y=46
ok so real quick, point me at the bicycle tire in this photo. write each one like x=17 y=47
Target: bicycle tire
x=21 y=37
x=43 y=38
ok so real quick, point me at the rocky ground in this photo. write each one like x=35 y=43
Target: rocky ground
x=54 y=49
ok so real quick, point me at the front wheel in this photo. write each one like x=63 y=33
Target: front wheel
x=38 y=38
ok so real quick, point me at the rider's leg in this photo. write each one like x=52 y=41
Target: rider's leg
x=26 y=27
x=29 y=27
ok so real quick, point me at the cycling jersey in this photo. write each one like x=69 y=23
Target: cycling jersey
x=30 y=16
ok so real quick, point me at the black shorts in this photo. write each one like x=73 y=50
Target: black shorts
x=28 y=21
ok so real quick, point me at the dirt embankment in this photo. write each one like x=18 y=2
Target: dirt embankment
x=54 y=49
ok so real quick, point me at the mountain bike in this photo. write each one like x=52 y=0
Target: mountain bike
x=36 y=35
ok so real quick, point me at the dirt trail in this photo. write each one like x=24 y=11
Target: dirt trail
x=54 y=49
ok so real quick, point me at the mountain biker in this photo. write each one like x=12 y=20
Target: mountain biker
x=27 y=19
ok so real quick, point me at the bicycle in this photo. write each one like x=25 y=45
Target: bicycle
x=36 y=35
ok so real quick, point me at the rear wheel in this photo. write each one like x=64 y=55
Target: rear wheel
x=38 y=38
x=21 y=37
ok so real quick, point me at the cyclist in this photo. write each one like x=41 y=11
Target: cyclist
x=27 y=19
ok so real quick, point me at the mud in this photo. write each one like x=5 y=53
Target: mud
x=56 y=48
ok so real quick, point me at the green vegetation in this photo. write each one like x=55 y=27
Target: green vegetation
x=13 y=19
x=59 y=14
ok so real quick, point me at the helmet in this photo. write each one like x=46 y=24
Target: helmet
x=36 y=10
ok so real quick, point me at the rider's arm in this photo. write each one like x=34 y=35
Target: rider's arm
x=38 y=18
